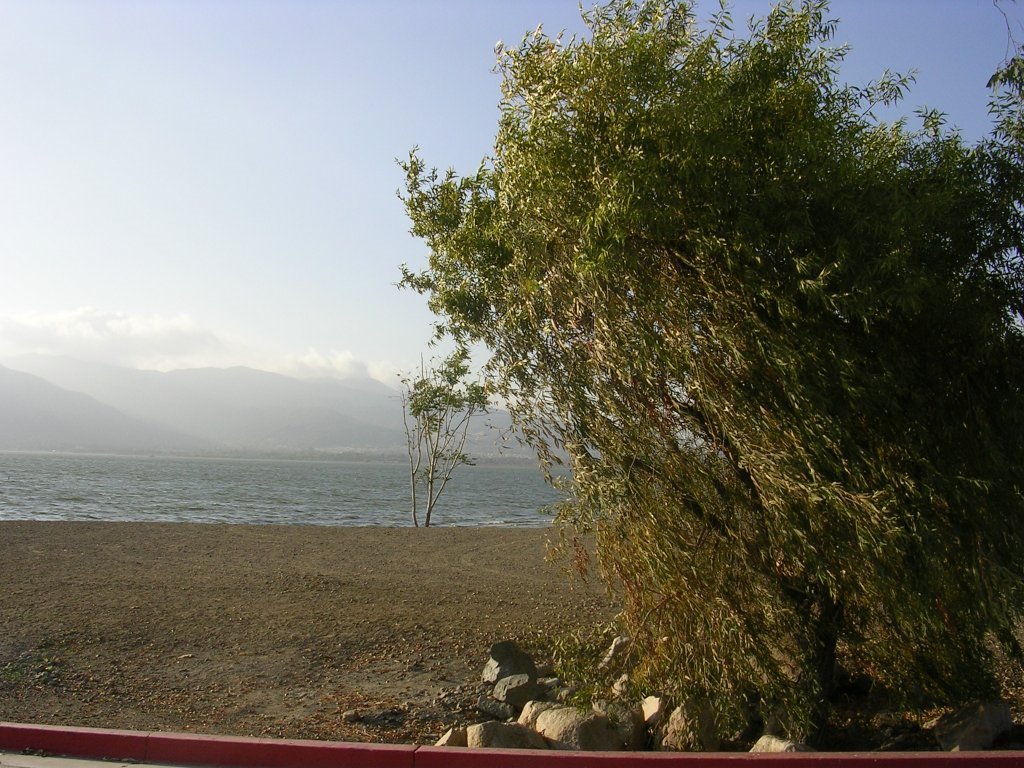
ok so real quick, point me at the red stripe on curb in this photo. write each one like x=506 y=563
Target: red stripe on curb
x=78 y=742
x=186 y=749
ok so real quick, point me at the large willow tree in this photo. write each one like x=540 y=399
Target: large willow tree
x=779 y=340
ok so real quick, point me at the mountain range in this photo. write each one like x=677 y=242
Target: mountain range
x=57 y=403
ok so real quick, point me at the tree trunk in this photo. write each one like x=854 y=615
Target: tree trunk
x=430 y=501
x=826 y=620
x=412 y=493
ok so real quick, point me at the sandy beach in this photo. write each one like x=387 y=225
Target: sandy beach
x=270 y=630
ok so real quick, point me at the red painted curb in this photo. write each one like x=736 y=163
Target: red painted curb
x=79 y=742
x=187 y=749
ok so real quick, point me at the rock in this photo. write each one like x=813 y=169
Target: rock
x=654 y=710
x=516 y=690
x=615 y=652
x=453 y=737
x=690 y=727
x=504 y=736
x=628 y=720
x=499 y=710
x=768 y=743
x=549 y=687
x=507 y=659
x=911 y=741
x=569 y=728
x=531 y=711
x=621 y=686
x=351 y=716
x=973 y=727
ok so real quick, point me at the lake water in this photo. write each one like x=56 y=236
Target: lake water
x=54 y=486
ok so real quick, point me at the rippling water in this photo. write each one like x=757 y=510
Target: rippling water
x=48 y=486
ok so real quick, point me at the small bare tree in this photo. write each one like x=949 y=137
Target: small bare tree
x=437 y=406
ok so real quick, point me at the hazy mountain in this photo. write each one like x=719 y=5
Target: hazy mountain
x=37 y=415
x=249 y=410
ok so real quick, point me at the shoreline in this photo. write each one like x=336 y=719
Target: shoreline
x=270 y=630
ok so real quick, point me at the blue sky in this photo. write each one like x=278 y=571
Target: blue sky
x=212 y=182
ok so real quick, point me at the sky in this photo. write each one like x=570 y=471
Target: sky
x=214 y=182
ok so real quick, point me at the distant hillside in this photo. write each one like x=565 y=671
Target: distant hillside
x=242 y=409
x=37 y=415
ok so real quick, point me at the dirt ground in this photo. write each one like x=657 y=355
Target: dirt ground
x=363 y=634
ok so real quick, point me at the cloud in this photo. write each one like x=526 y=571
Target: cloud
x=166 y=342
x=385 y=371
x=337 y=365
x=118 y=338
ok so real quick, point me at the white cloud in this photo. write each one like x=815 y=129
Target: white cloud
x=333 y=364
x=166 y=342
x=339 y=365
x=385 y=371
x=118 y=338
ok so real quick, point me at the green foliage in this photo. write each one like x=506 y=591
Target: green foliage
x=779 y=340
x=437 y=407
x=577 y=656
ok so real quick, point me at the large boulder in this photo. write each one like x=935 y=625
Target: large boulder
x=654 y=709
x=628 y=720
x=507 y=659
x=973 y=727
x=516 y=690
x=531 y=711
x=453 y=737
x=504 y=736
x=499 y=710
x=569 y=728
x=769 y=743
x=690 y=727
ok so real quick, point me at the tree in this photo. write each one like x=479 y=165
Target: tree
x=779 y=340
x=437 y=407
